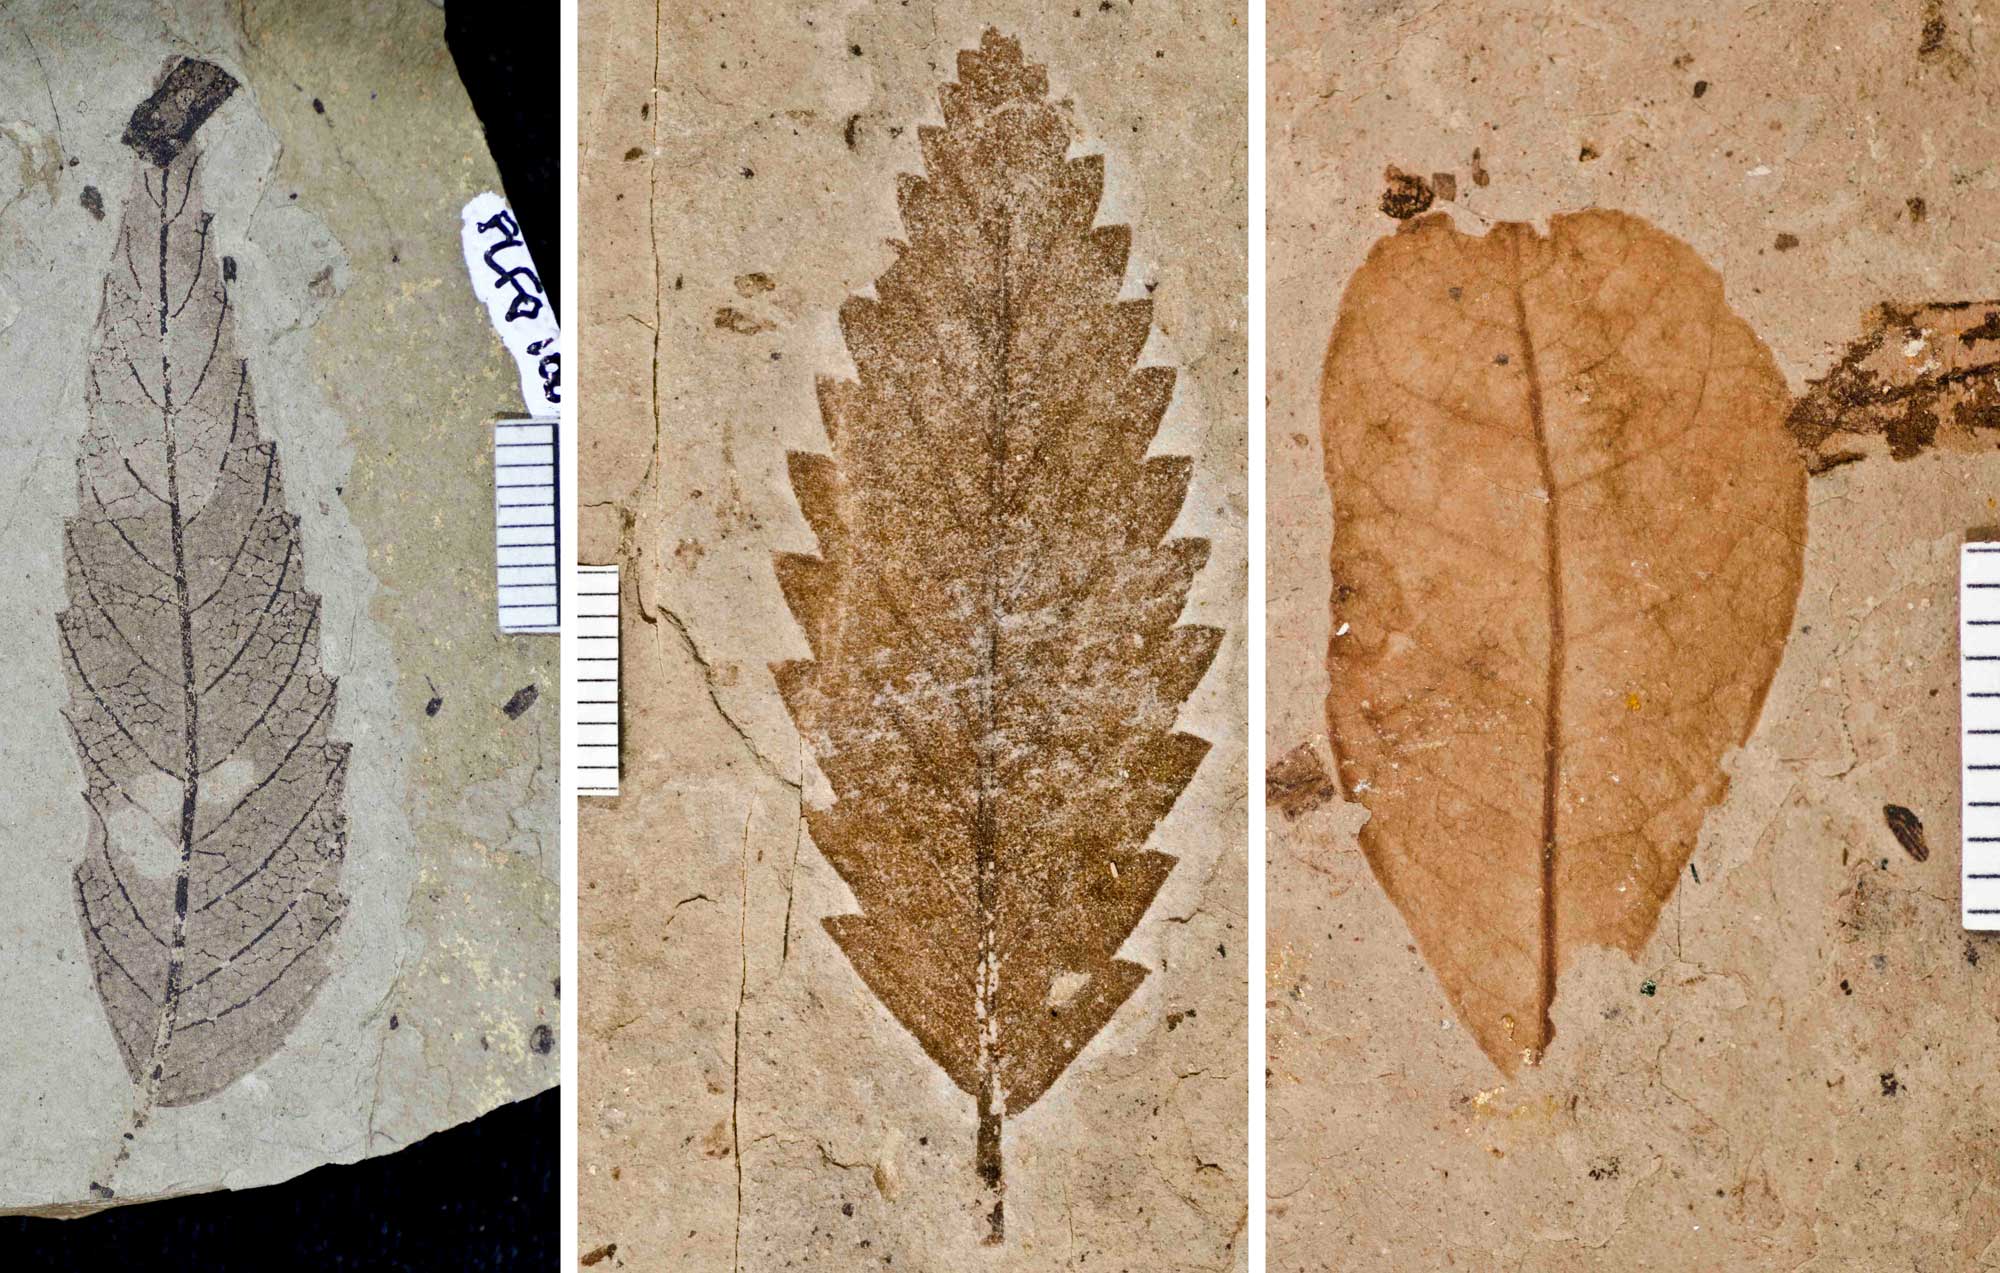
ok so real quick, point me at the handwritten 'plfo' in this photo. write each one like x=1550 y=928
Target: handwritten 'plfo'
x=504 y=279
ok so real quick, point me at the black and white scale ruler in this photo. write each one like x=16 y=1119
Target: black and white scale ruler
x=525 y=525
x=1979 y=734
x=595 y=631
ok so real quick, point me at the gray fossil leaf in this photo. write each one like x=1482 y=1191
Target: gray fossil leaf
x=209 y=887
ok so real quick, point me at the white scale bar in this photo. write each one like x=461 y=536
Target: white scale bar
x=1979 y=736
x=526 y=556
x=594 y=628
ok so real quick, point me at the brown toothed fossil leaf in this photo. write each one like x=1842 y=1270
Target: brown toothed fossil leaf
x=1568 y=532
x=1918 y=375
x=996 y=664
x=208 y=888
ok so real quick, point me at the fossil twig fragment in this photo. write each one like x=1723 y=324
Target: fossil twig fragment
x=1568 y=533
x=996 y=667
x=1917 y=374
x=208 y=889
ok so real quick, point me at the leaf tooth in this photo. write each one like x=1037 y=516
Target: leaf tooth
x=894 y=960
x=1150 y=390
x=816 y=485
x=1164 y=767
x=1083 y=182
x=1104 y=896
x=867 y=757
x=1184 y=658
x=1128 y=324
x=861 y=325
x=996 y=73
x=1163 y=485
x=810 y=585
x=917 y=201
x=1182 y=560
x=1150 y=766
x=959 y=105
x=840 y=406
x=851 y=834
x=1034 y=1056
x=1148 y=869
x=796 y=679
x=1193 y=550
x=934 y=144
x=1110 y=250
x=1002 y=54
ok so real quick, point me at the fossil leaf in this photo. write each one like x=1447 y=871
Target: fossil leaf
x=996 y=667
x=1918 y=375
x=209 y=885
x=1568 y=533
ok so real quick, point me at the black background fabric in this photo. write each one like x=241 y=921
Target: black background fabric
x=514 y=79
x=478 y=1197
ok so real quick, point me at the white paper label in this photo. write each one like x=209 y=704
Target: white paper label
x=504 y=279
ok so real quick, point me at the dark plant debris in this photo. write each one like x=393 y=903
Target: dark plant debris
x=1298 y=783
x=1908 y=830
x=1406 y=195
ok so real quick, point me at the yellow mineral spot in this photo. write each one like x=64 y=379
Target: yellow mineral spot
x=1632 y=701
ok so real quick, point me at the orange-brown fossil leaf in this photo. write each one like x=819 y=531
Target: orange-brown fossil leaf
x=1568 y=531
x=993 y=612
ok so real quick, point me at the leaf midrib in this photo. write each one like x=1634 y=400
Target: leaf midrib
x=1552 y=692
